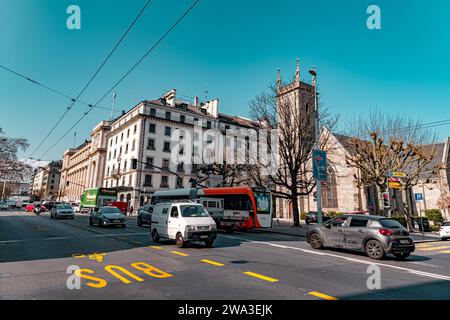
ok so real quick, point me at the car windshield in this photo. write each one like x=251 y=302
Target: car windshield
x=64 y=207
x=193 y=212
x=110 y=211
x=388 y=223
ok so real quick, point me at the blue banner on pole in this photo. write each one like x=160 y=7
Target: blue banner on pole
x=320 y=165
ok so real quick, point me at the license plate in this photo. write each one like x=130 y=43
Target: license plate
x=116 y=220
x=203 y=237
x=404 y=242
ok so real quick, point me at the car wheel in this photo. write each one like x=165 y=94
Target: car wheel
x=315 y=241
x=375 y=250
x=100 y=223
x=139 y=222
x=402 y=255
x=91 y=223
x=155 y=236
x=209 y=243
x=179 y=240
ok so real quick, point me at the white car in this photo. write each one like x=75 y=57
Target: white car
x=444 y=232
x=183 y=222
x=76 y=208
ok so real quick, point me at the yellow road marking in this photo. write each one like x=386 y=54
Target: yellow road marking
x=260 y=276
x=424 y=245
x=78 y=256
x=448 y=251
x=156 y=247
x=435 y=248
x=322 y=295
x=179 y=253
x=217 y=264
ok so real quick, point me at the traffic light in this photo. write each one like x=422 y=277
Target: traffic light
x=386 y=200
x=134 y=164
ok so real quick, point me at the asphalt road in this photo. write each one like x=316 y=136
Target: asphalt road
x=36 y=252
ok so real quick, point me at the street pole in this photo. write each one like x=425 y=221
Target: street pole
x=4 y=189
x=317 y=146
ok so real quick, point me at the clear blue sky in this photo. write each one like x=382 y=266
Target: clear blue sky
x=231 y=47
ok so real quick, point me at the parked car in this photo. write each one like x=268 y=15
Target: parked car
x=145 y=215
x=3 y=205
x=311 y=217
x=423 y=224
x=30 y=207
x=107 y=216
x=50 y=204
x=183 y=222
x=373 y=234
x=444 y=231
x=62 y=211
x=11 y=204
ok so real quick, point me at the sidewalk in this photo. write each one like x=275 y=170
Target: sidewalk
x=284 y=226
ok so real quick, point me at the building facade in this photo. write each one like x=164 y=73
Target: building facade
x=145 y=134
x=45 y=183
x=83 y=167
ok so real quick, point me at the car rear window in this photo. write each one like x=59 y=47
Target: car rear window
x=388 y=223
x=446 y=224
x=64 y=206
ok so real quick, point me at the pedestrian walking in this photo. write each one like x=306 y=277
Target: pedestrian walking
x=131 y=210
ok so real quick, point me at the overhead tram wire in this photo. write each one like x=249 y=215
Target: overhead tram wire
x=125 y=75
x=92 y=77
x=57 y=92
x=421 y=126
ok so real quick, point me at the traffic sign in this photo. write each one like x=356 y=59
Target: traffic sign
x=397 y=174
x=320 y=165
x=394 y=183
x=419 y=196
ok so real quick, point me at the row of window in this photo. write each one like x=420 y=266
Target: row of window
x=116 y=140
x=168 y=116
x=114 y=154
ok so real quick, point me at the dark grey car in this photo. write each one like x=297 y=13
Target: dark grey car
x=107 y=216
x=145 y=215
x=373 y=234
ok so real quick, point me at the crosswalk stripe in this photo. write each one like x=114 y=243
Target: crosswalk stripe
x=447 y=251
x=435 y=248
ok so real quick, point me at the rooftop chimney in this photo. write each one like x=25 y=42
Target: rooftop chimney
x=196 y=102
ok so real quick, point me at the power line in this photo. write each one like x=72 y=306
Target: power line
x=57 y=92
x=420 y=126
x=93 y=76
x=126 y=74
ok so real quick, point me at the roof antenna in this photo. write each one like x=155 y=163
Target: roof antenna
x=113 y=104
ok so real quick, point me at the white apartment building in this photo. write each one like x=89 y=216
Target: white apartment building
x=144 y=133
x=83 y=167
x=45 y=184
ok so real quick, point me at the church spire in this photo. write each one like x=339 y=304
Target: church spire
x=279 y=80
x=297 y=72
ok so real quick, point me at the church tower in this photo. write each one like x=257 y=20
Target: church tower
x=295 y=108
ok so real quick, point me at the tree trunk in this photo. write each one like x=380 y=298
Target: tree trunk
x=295 y=209
x=408 y=210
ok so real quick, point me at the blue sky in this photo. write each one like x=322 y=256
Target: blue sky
x=233 y=48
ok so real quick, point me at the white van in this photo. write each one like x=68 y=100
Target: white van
x=183 y=222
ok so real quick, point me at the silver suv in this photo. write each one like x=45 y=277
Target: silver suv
x=374 y=234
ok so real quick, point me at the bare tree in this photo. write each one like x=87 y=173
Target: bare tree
x=232 y=174
x=383 y=143
x=10 y=167
x=293 y=120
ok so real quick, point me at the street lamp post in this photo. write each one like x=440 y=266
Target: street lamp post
x=313 y=72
